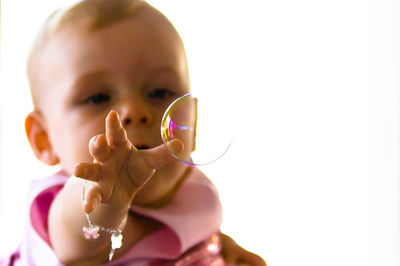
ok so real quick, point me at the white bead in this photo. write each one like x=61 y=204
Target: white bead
x=116 y=240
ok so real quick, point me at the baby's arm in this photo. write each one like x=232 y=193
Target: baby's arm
x=117 y=173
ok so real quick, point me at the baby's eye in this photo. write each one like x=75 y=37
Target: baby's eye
x=160 y=93
x=98 y=98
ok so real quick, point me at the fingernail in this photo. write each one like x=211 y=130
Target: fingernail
x=97 y=141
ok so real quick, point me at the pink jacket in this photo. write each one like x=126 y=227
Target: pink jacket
x=192 y=220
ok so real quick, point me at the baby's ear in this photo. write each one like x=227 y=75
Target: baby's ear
x=38 y=137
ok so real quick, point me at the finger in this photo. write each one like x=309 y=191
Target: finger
x=99 y=149
x=92 y=198
x=160 y=155
x=88 y=171
x=116 y=134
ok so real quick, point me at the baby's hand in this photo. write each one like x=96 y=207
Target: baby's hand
x=118 y=170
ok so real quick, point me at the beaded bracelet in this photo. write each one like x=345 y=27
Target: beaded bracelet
x=92 y=230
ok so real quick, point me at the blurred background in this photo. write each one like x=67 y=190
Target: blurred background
x=312 y=176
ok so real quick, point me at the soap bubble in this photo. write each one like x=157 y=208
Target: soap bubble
x=202 y=124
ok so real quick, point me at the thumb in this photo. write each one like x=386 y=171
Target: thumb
x=161 y=155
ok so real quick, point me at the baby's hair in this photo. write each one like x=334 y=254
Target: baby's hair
x=95 y=15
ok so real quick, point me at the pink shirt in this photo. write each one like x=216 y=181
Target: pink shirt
x=192 y=219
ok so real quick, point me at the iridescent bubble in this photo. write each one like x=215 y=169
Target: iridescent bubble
x=202 y=125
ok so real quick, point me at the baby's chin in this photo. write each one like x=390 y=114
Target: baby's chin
x=162 y=184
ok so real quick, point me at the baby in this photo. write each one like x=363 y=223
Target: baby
x=102 y=72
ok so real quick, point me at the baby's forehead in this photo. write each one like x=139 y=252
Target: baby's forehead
x=87 y=17
x=92 y=15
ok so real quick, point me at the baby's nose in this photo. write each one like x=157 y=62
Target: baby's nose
x=135 y=113
x=128 y=120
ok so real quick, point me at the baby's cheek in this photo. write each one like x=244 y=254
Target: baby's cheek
x=173 y=171
x=76 y=155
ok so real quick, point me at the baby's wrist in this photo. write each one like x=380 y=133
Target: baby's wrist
x=109 y=215
x=111 y=220
x=93 y=231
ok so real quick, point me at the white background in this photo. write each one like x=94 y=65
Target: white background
x=312 y=177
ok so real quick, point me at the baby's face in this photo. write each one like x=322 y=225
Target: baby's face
x=136 y=67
